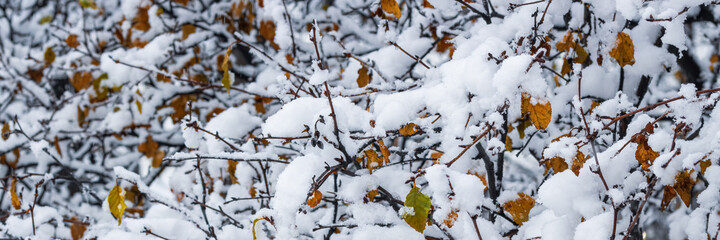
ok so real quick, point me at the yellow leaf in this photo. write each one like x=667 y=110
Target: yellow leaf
x=683 y=186
x=49 y=56
x=232 y=165
x=624 y=51
x=71 y=41
x=391 y=6
x=45 y=19
x=420 y=204
x=519 y=208
x=540 y=113
x=524 y=124
x=363 y=77
x=13 y=194
x=644 y=153
x=88 y=4
x=409 y=129
x=226 y=73
x=566 y=43
x=116 y=203
x=139 y=106
x=436 y=155
x=315 y=199
x=187 y=29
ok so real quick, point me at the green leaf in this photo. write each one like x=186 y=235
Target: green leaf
x=420 y=203
x=116 y=203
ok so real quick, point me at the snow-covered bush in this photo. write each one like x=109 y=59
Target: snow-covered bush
x=359 y=119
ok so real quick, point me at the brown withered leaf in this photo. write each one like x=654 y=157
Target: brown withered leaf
x=373 y=160
x=57 y=146
x=5 y=131
x=644 y=154
x=451 y=218
x=232 y=165
x=566 y=67
x=35 y=74
x=71 y=41
x=385 y=152
x=436 y=155
x=13 y=194
x=81 y=81
x=391 y=6
x=363 y=77
x=578 y=163
x=148 y=147
x=141 y=20
x=565 y=43
x=427 y=4
x=182 y=2
x=683 y=186
x=519 y=208
x=704 y=164
x=315 y=199
x=557 y=164
x=187 y=29
x=540 y=113
x=252 y=192
x=77 y=230
x=668 y=195
x=267 y=31
x=624 y=50
x=49 y=56
x=409 y=129
x=371 y=195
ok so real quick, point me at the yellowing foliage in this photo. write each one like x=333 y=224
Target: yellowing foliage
x=315 y=199
x=391 y=6
x=624 y=50
x=540 y=113
x=420 y=203
x=519 y=208
x=116 y=203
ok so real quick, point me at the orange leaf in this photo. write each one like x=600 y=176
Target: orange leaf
x=371 y=194
x=81 y=81
x=557 y=164
x=436 y=155
x=644 y=153
x=409 y=129
x=624 y=51
x=391 y=6
x=267 y=31
x=13 y=194
x=373 y=160
x=315 y=199
x=540 y=113
x=450 y=219
x=578 y=163
x=384 y=150
x=519 y=208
